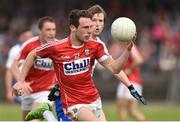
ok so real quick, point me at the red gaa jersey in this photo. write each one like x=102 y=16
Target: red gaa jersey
x=73 y=66
x=42 y=74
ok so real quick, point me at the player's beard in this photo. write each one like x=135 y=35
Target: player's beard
x=82 y=39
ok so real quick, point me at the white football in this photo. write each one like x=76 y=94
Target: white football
x=123 y=29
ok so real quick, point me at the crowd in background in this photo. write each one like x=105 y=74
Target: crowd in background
x=157 y=21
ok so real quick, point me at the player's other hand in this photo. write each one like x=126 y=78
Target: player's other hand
x=135 y=94
x=55 y=93
x=21 y=88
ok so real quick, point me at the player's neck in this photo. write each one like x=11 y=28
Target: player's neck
x=75 y=41
x=42 y=40
x=93 y=37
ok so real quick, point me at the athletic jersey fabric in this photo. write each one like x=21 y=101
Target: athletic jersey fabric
x=42 y=74
x=73 y=66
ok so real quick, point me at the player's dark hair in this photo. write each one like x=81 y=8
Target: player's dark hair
x=43 y=20
x=76 y=14
x=97 y=9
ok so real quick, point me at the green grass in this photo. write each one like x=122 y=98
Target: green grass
x=153 y=112
x=10 y=112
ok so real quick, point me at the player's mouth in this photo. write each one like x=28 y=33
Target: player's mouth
x=97 y=29
x=51 y=38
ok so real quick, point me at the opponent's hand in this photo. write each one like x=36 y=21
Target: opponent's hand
x=54 y=94
x=136 y=95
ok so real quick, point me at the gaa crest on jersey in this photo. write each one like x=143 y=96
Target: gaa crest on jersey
x=87 y=52
x=77 y=66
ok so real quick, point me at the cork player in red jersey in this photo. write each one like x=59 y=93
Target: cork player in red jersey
x=41 y=77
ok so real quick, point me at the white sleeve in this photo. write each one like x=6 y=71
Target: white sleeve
x=13 y=53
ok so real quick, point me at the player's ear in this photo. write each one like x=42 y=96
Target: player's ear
x=72 y=28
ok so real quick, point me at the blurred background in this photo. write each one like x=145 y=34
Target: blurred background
x=158 y=38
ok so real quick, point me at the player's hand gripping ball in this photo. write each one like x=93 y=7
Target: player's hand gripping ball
x=123 y=29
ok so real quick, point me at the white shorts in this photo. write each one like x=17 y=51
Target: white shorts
x=39 y=97
x=95 y=107
x=123 y=91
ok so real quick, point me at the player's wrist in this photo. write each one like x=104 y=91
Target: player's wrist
x=131 y=87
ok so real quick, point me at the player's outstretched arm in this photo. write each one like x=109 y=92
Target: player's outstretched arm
x=115 y=66
x=122 y=77
x=119 y=62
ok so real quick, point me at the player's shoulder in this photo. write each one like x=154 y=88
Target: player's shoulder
x=61 y=41
x=56 y=42
x=96 y=41
x=31 y=41
x=53 y=43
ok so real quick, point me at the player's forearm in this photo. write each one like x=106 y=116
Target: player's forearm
x=123 y=78
x=119 y=62
x=15 y=70
x=28 y=64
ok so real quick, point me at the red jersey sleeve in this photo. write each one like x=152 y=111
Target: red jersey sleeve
x=25 y=49
x=45 y=50
x=102 y=52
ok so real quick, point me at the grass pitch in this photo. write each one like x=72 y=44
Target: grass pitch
x=153 y=112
